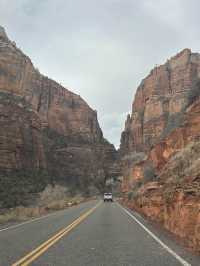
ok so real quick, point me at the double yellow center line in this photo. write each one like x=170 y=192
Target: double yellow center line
x=33 y=255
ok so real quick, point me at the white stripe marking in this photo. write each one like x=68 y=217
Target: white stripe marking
x=33 y=220
x=181 y=260
x=30 y=221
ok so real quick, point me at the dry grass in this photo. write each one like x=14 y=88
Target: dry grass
x=184 y=163
x=51 y=199
x=19 y=214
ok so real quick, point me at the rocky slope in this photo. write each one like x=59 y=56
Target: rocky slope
x=47 y=133
x=160 y=148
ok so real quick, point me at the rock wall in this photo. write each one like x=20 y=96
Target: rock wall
x=161 y=95
x=20 y=139
x=163 y=183
x=46 y=126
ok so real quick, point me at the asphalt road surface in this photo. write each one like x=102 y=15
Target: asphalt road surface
x=93 y=233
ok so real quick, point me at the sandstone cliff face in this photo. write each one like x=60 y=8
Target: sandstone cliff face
x=159 y=98
x=57 y=107
x=20 y=139
x=164 y=183
x=45 y=126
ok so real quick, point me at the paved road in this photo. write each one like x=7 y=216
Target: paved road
x=103 y=235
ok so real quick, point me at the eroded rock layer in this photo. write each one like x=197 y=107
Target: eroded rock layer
x=159 y=99
x=161 y=145
x=44 y=126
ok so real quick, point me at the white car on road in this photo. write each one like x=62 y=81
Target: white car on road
x=108 y=197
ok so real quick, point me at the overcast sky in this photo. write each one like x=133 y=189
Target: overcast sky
x=102 y=49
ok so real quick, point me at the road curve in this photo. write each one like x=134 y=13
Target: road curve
x=93 y=233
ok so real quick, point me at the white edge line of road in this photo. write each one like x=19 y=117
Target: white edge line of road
x=31 y=221
x=181 y=260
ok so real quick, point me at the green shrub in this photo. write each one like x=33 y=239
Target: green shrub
x=58 y=139
x=193 y=93
x=134 y=193
x=9 y=98
x=130 y=195
x=174 y=121
x=20 y=187
x=149 y=174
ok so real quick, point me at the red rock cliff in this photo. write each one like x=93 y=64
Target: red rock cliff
x=163 y=93
x=160 y=148
x=46 y=126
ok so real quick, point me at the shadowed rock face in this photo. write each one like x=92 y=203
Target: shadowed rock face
x=20 y=136
x=161 y=145
x=46 y=126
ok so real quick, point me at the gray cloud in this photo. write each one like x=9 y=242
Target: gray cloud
x=102 y=49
